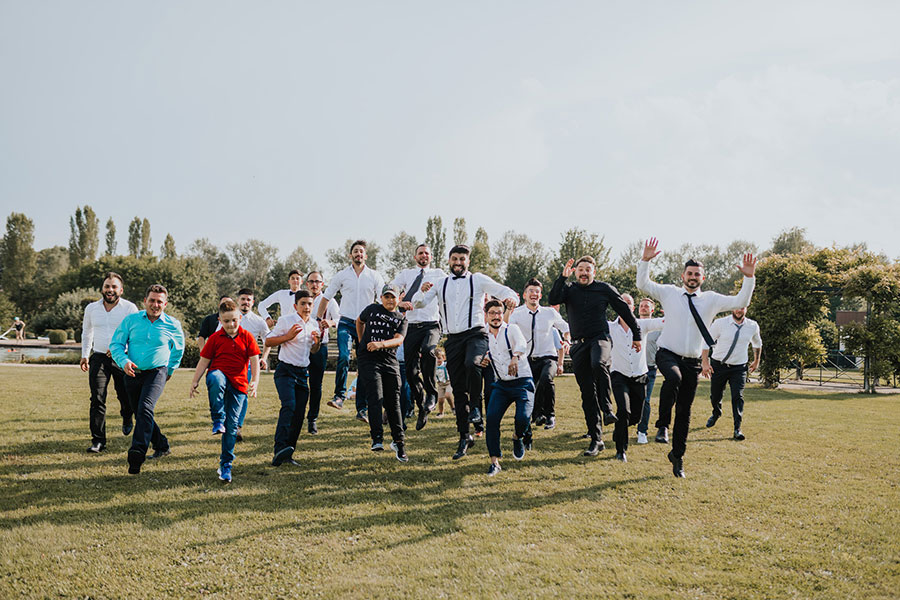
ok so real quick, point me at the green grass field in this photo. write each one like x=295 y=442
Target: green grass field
x=807 y=507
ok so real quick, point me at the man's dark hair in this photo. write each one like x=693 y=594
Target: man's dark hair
x=421 y=245
x=227 y=306
x=301 y=294
x=459 y=249
x=223 y=296
x=357 y=243
x=114 y=275
x=533 y=282
x=586 y=258
x=295 y=272
x=693 y=263
x=156 y=288
x=310 y=274
x=246 y=292
x=491 y=304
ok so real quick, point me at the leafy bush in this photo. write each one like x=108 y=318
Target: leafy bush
x=191 y=353
x=68 y=358
x=66 y=312
x=57 y=336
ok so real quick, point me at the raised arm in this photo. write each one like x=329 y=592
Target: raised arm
x=263 y=307
x=643 y=270
x=742 y=298
x=487 y=285
x=428 y=291
x=622 y=309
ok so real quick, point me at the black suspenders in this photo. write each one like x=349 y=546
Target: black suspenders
x=508 y=347
x=471 y=301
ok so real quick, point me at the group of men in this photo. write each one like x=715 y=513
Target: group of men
x=493 y=348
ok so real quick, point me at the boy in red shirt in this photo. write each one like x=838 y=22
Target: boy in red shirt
x=227 y=353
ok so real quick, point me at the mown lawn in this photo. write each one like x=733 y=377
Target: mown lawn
x=807 y=507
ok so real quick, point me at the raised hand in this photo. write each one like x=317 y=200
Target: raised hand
x=509 y=303
x=427 y=286
x=650 y=251
x=294 y=331
x=748 y=268
x=568 y=269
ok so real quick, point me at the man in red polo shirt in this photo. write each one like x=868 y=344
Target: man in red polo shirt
x=226 y=354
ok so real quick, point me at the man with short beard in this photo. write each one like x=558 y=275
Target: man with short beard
x=586 y=301
x=101 y=318
x=318 y=361
x=423 y=333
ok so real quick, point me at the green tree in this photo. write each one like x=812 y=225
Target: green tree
x=519 y=258
x=19 y=259
x=167 y=251
x=401 y=251
x=84 y=237
x=218 y=262
x=145 y=238
x=134 y=237
x=66 y=311
x=110 y=237
x=252 y=260
x=480 y=259
x=436 y=238
x=8 y=311
x=459 y=231
x=339 y=258
x=878 y=339
x=791 y=241
x=576 y=243
x=299 y=259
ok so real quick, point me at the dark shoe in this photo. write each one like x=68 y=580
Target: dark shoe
x=313 y=430
x=281 y=456
x=464 y=444
x=677 y=464
x=135 y=460
x=239 y=435
x=739 y=435
x=551 y=423
x=363 y=416
x=159 y=454
x=528 y=440
x=586 y=436
x=518 y=449
x=493 y=469
x=479 y=429
x=336 y=402
x=292 y=462
x=540 y=421
x=595 y=448
x=430 y=402
x=400 y=450
x=475 y=416
x=97 y=448
x=621 y=456
x=609 y=418
x=712 y=420
x=422 y=421
x=377 y=447
x=662 y=436
x=127 y=425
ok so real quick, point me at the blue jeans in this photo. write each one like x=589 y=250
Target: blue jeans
x=346 y=339
x=234 y=403
x=405 y=394
x=144 y=391
x=292 y=383
x=645 y=416
x=215 y=386
x=504 y=393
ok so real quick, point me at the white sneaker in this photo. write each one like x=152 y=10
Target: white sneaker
x=642 y=438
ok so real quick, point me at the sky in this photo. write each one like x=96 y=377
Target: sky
x=307 y=123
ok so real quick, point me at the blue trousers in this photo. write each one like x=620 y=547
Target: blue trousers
x=215 y=387
x=144 y=391
x=346 y=339
x=645 y=416
x=292 y=383
x=234 y=404
x=504 y=393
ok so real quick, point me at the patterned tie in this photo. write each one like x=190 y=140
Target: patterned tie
x=734 y=342
x=700 y=325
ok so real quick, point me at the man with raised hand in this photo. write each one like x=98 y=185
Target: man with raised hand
x=645 y=311
x=359 y=286
x=729 y=363
x=689 y=312
x=537 y=323
x=423 y=333
x=101 y=318
x=148 y=346
x=586 y=301
x=318 y=361
x=461 y=297
x=284 y=298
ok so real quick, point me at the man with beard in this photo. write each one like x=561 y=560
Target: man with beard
x=101 y=318
x=461 y=297
x=586 y=301
x=689 y=312
x=318 y=360
x=359 y=286
x=645 y=311
x=422 y=335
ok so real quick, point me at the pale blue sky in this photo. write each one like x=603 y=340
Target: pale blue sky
x=308 y=123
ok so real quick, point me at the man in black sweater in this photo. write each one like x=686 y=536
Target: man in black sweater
x=586 y=301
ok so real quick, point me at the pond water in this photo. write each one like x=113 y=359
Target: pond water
x=15 y=354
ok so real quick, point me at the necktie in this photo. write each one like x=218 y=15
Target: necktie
x=416 y=284
x=700 y=325
x=734 y=342
x=292 y=293
x=463 y=276
x=533 y=320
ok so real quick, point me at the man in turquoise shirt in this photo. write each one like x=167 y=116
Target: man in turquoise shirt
x=148 y=345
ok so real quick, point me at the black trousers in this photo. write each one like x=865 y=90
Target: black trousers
x=316 y=370
x=629 y=393
x=418 y=350
x=543 y=369
x=735 y=376
x=144 y=390
x=383 y=391
x=590 y=360
x=678 y=390
x=102 y=368
x=466 y=376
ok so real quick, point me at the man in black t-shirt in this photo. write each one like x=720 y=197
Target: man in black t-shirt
x=380 y=329
x=209 y=324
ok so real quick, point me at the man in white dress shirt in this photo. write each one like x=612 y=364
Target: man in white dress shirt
x=423 y=333
x=461 y=297
x=628 y=374
x=729 y=363
x=319 y=360
x=359 y=286
x=689 y=312
x=101 y=318
x=284 y=298
x=537 y=323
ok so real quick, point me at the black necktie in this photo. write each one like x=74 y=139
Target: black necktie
x=700 y=325
x=734 y=342
x=416 y=284
x=463 y=276
x=533 y=320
